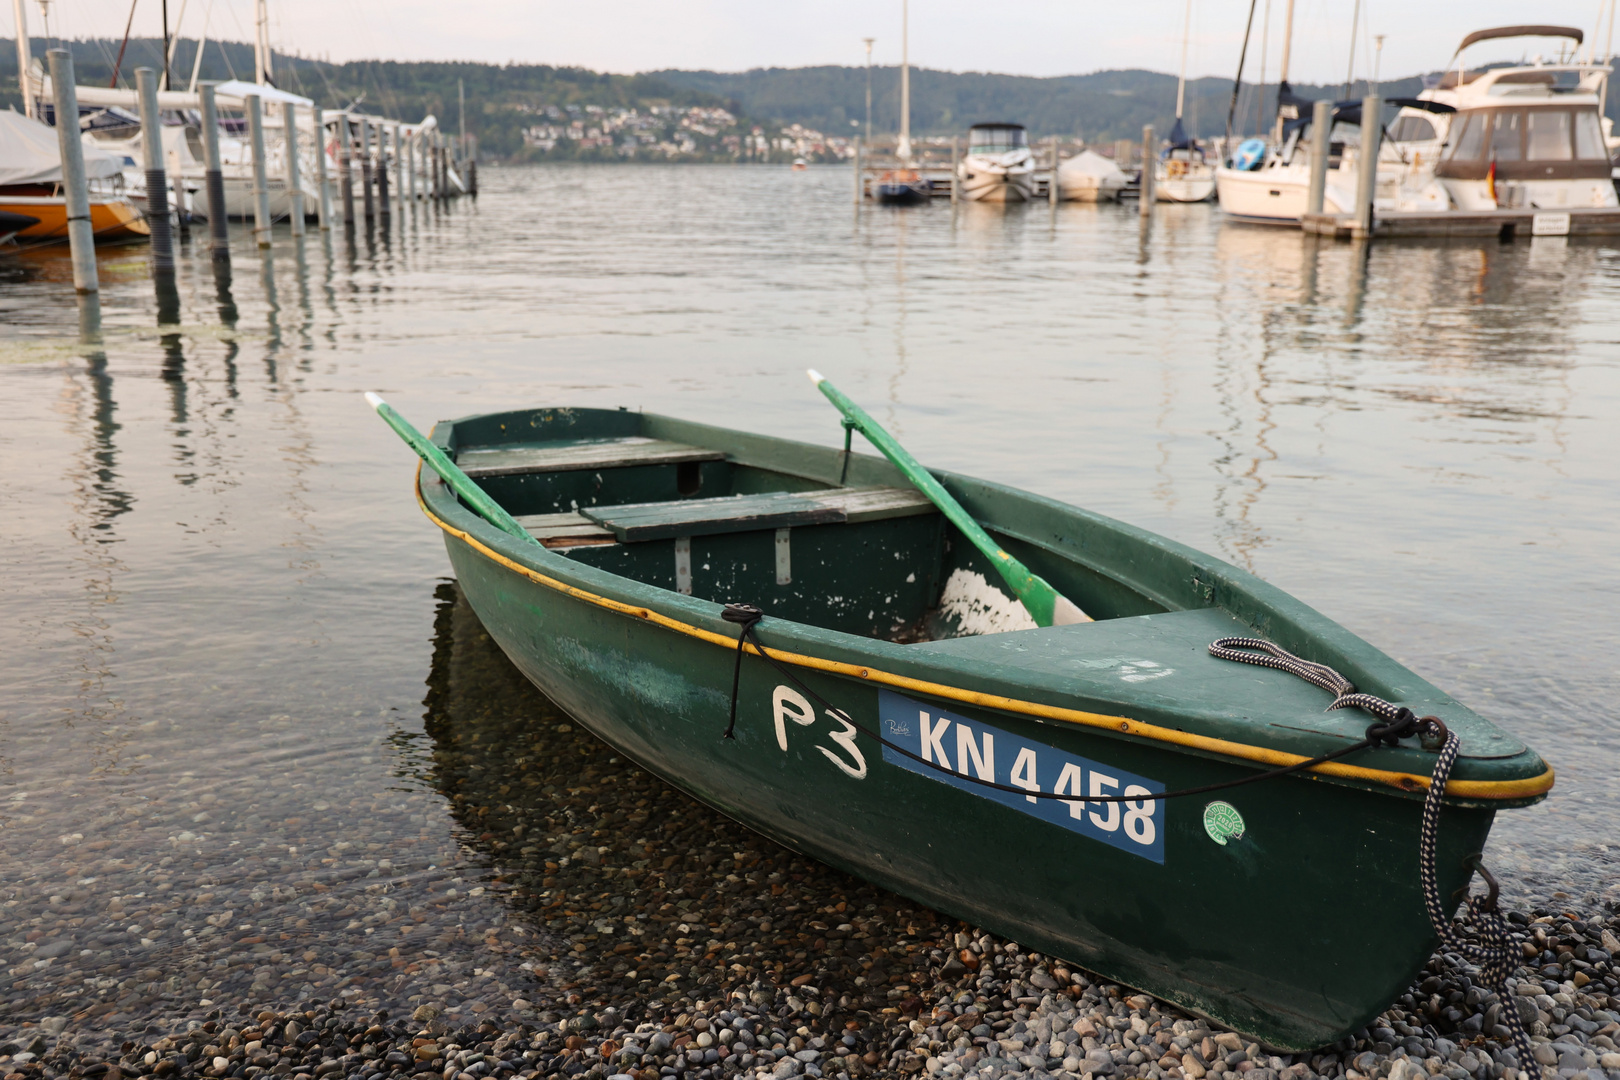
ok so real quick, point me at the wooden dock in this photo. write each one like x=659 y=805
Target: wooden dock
x=939 y=180
x=1502 y=224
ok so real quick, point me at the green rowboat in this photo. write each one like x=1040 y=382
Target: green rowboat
x=1288 y=909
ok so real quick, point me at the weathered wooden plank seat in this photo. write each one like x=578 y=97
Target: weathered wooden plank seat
x=571 y=456
x=746 y=513
x=633 y=522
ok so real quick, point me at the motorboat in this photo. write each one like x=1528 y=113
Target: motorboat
x=998 y=166
x=800 y=165
x=903 y=187
x=31 y=187
x=1528 y=136
x=1182 y=172
x=1090 y=177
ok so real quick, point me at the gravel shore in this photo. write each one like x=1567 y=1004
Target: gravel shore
x=585 y=918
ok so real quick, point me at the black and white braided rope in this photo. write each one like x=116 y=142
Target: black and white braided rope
x=1495 y=952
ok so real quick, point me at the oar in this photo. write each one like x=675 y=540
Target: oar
x=1045 y=604
x=462 y=484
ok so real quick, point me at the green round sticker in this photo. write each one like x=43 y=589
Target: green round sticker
x=1223 y=822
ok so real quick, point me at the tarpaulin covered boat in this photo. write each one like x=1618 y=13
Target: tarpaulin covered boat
x=966 y=754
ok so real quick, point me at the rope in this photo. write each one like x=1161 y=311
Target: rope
x=1496 y=953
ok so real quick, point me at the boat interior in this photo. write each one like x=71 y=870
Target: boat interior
x=862 y=557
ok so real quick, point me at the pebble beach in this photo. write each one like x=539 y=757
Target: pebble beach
x=641 y=935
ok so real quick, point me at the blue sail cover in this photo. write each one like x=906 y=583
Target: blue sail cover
x=1178 y=137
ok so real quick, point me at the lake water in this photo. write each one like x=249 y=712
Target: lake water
x=251 y=741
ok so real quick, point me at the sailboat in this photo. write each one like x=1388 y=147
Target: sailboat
x=1181 y=173
x=904 y=186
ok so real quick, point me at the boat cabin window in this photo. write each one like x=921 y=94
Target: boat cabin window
x=996 y=139
x=1411 y=129
x=1527 y=134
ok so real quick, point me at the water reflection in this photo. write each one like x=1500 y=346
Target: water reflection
x=620 y=876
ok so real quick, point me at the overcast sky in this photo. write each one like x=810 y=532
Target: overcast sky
x=1035 y=37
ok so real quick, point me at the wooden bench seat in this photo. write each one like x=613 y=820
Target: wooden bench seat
x=633 y=522
x=572 y=456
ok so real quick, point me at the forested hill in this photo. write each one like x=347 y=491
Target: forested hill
x=527 y=110
x=1099 y=107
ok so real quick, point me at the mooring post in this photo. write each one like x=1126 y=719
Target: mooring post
x=956 y=167
x=345 y=169
x=323 y=188
x=472 y=165
x=157 y=185
x=1148 y=161
x=295 y=186
x=261 y=183
x=367 y=172
x=1321 y=147
x=444 y=167
x=413 y=147
x=214 y=177
x=382 y=171
x=1372 y=115
x=859 y=186
x=76 y=188
x=1052 y=182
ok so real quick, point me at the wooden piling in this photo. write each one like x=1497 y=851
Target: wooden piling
x=366 y=170
x=410 y=168
x=1372 y=109
x=261 y=184
x=956 y=167
x=1321 y=147
x=75 y=186
x=157 y=185
x=323 y=187
x=382 y=171
x=345 y=169
x=295 y=187
x=1146 y=183
x=214 y=177
x=472 y=165
x=1052 y=193
x=860 y=184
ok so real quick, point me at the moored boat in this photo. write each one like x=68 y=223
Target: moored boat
x=1090 y=177
x=912 y=726
x=998 y=166
x=31 y=186
x=903 y=187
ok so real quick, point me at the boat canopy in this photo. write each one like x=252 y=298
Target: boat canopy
x=230 y=94
x=1522 y=31
x=995 y=138
x=1349 y=112
x=30 y=154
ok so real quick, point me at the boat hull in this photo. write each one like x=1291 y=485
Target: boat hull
x=112 y=221
x=1288 y=934
x=902 y=194
x=1297 y=930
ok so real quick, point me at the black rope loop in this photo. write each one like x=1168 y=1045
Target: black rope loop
x=745 y=615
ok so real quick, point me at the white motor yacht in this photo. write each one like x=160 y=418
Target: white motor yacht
x=1524 y=137
x=998 y=166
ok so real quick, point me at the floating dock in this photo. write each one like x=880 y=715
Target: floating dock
x=1502 y=224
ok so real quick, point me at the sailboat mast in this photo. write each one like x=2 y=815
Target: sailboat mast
x=1288 y=41
x=263 y=66
x=25 y=59
x=1350 y=73
x=905 y=82
x=1181 y=83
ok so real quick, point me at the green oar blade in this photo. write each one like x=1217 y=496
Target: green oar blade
x=462 y=484
x=1046 y=605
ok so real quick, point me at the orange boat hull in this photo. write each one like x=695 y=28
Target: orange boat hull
x=112 y=221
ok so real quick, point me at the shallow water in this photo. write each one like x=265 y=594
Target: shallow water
x=223 y=608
